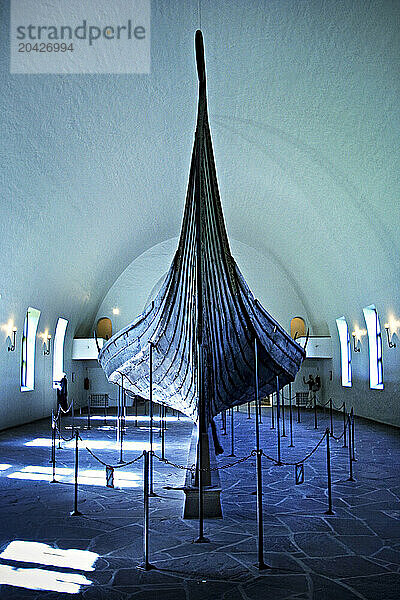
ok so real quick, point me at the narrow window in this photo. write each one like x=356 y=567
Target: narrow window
x=58 y=351
x=28 y=349
x=297 y=327
x=375 y=347
x=345 y=351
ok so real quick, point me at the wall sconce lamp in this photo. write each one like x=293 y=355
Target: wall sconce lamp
x=46 y=345
x=389 y=339
x=357 y=335
x=11 y=347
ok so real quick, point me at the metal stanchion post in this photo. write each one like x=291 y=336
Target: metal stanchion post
x=124 y=409
x=298 y=409
x=350 y=478
x=232 y=434
x=278 y=429
x=344 y=426
x=272 y=412
x=224 y=422
x=146 y=566
x=200 y=449
x=256 y=394
x=160 y=424
x=163 y=433
x=353 y=436
x=53 y=448
x=121 y=422
x=331 y=415
x=72 y=415
x=283 y=414
x=151 y=491
x=136 y=414
x=248 y=410
x=88 y=414
x=51 y=428
x=76 y=512
x=117 y=422
x=121 y=442
x=315 y=413
x=290 y=416
x=261 y=564
x=328 y=470
x=59 y=431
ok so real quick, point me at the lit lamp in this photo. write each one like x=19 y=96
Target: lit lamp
x=11 y=347
x=46 y=345
x=357 y=335
x=389 y=337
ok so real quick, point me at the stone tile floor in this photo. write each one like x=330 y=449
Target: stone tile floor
x=353 y=554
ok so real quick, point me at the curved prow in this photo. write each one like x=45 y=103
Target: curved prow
x=200 y=61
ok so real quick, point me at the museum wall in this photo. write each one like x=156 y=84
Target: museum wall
x=304 y=115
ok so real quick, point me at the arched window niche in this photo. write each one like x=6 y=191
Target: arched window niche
x=104 y=328
x=375 y=347
x=345 y=351
x=58 y=351
x=28 y=348
x=297 y=327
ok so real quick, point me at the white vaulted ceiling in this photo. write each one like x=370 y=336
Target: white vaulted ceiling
x=304 y=114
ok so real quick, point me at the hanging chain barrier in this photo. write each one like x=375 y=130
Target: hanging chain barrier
x=107 y=465
x=337 y=439
x=297 y=462
x=147 y=456
x=333 y=405
x=56 y=422
x=193 y=468
x=61 y=435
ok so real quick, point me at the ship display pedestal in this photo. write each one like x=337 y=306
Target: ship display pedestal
x=211 y=480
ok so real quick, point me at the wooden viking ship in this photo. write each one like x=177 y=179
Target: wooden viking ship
x=193 y=348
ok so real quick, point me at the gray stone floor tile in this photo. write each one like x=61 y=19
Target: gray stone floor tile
x=275 y=586
x=319 y=544
x=312 y=556
x=364 y=545
x=384 y=587
x=327 y=589
x=346 y=566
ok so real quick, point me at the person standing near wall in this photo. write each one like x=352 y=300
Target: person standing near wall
x=316 y=387
x=62 y=393
x=311 y=393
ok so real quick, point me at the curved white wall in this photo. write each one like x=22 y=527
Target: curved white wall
x=304 y=114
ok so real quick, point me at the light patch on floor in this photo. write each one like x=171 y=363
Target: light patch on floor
x=43 y=554
x=122 y=479
x=43 y=579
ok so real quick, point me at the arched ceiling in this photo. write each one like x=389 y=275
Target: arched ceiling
x=304 y=113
